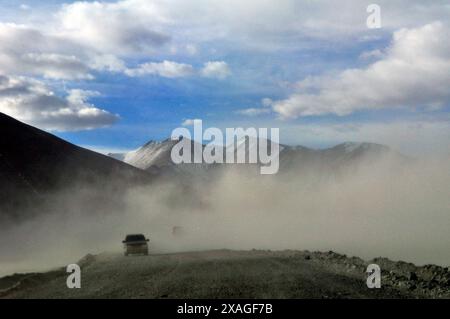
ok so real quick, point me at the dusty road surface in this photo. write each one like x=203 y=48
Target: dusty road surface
x=231 y=274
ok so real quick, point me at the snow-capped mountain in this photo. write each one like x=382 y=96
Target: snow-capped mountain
x=156 y=156
x=152 y=153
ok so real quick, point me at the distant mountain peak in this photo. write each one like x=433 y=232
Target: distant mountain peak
x=352 y=146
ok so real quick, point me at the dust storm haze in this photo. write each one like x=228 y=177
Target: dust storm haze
x=383 y=208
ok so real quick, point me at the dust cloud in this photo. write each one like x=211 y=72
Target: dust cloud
x=384 y=208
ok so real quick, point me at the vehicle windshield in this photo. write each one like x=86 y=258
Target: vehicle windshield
x=135 y=238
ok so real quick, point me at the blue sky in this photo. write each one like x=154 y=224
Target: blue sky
x=112 y=75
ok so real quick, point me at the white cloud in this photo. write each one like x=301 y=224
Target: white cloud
x=262 y=24
x=191 y=49
x=373 y=54
x=171 y=69
x=129 y=28
x=53 y=66
x=31 y=101
x=168 y=69
x=266 y=103
x=107 y=62
x=27 y=51
x=253 y=111
x=121 y=28
x=414 y=73
x=140 y=26
x=215 y=69
x=189 y=122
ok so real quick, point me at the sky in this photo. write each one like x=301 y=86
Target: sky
x=112 y=75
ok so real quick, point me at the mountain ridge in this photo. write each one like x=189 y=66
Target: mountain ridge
x=157 y=153
x=35 y=163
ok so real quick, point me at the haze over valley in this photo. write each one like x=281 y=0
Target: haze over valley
x=61 y=202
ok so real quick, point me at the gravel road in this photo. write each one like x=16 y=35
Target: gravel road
x=229 y=274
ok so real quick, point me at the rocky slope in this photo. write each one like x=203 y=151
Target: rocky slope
x=34 y=164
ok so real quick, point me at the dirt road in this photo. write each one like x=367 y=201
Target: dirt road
x=219 y=274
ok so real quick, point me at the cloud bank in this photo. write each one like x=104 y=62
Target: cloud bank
x=413 y=73
x=180 y=39
x=32 y=102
